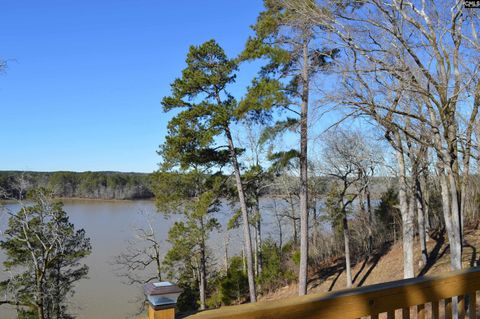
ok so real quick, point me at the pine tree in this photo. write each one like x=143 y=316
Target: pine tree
x=285 y=39
x=194 y=196
x=207 y=112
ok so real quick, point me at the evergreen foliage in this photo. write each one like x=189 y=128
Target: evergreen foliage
x=43 y=252
x=387 y=213
x=275 y=270
x=206 y=111
x=232 y=287
x=285 y=42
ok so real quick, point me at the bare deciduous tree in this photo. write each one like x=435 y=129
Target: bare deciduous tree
x=395 y=78
x=142 y=259
x=351 y=162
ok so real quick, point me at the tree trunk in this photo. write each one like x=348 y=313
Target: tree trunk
x=346 y=239
x=255 y=252
x=478 y=149
x=421 y=220
x=41 y=312
x=243 y=208
x=456 y=246
x=452 y=219
x=294 y=222
x=244 y=262
x=361 y=200
x=40 y=292
x=405 y=210
x=452 y=227
x=202 y=281
x=158 y=262
x=421 y=224
x=303 y=269
x=408 y=237
x=477 y=179
x=315 y=225
x=446 y=159
x=416 y=158
x=363 y=195
x=370 y=219
x=279 y=223
x=258 y=238
x=453 y=177
x=226 y=241
x=203 y=269
x=467 y=150
x=40 y=303
x=295 y=233
x=425 y=203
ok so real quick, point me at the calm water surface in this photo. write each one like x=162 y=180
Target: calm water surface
x=109 y=224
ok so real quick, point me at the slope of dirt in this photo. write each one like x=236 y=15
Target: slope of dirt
x=385 y=265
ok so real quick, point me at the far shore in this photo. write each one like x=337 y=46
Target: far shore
x=84 y=199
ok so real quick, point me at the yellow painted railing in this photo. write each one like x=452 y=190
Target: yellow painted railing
x=425 y=297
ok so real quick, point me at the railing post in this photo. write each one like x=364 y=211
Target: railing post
x=472 y=305
x=435 y=310
x=165 y=313
x=448 y=308
x=461 y=307
x=421 y=311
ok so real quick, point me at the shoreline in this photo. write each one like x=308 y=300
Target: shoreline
x=85 y=199
x=104 y=199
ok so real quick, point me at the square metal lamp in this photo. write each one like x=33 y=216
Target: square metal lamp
x=162 y=299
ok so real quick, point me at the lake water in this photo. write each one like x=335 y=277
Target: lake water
x=109 y=224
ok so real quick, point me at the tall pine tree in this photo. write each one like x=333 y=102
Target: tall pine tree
x=286 y=41
x=207 y=112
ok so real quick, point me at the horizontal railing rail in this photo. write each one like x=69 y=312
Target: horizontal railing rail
x=428 y=297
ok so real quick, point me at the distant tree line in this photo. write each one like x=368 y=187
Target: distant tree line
x=94 y=185
x=111 y=185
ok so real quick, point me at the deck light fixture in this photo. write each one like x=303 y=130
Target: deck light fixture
x=162 y=299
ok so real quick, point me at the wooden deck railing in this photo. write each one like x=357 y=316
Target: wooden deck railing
x=425 y=297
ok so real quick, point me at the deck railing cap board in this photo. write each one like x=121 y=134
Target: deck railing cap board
x=357 y=302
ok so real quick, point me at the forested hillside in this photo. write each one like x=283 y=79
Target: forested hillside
x=94 y=185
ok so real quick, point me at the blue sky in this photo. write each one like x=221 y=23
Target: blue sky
x=85 y=78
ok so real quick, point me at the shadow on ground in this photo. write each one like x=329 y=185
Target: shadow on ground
x=435 y=254
x=367 y=266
